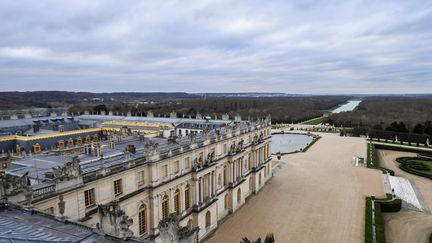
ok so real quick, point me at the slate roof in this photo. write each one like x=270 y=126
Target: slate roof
x=19 y=225
x=38 y=165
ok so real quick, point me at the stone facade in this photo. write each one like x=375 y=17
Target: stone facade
x=201 y=183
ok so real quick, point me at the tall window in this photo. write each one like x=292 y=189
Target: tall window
x=164 y=171
x=89 y=197
x=187 y=197
x=208 y=219
x=141 y=178
x=142 y=219
x=165 y=207
x=187 y=163
x=177 y=202
x=259 y=179
x=118 y=189
x=238 y=195
x=176 y=166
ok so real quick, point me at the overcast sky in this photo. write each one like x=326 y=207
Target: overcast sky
x=300 y=46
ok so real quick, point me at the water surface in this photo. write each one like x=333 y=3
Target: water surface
x=349 y=106
x=288 y=143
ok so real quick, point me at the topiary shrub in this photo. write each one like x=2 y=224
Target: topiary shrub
x=394 y=205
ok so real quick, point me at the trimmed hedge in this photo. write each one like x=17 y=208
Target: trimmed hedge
x=379 y=224
x=386 y=205
x=392 y=206
x=372 y=162
x=368 y=221
x=410 y=165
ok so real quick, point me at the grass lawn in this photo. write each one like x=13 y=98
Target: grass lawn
x=315 y=121
x=421 y=166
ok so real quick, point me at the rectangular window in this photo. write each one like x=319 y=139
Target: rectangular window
x=89 y=197
x=164 y=171
x=141 y=178
x=176 y=166
x=187 y=163
x=118 y=187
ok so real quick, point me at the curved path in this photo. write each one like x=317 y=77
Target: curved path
x=317 y=196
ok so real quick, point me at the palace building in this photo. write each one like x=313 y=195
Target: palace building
x=126 y=176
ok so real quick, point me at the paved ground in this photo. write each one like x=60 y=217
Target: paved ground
x=408 y=226
x=317 y=196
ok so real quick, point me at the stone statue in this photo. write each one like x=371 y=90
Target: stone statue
x=192 y=138
x=172 y=232
x=68 y=171
x=11 y=185
x=113 y=221
x=151 y=149
x=269 y=239
x=210 y=157
x=62 y=206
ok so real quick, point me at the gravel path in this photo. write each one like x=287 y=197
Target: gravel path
x=317 y=196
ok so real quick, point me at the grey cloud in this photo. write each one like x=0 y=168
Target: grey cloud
x=290 y=46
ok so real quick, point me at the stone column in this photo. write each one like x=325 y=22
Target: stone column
x=196 y=190
x=201 y=189
x=241 y=166
x=232 y=172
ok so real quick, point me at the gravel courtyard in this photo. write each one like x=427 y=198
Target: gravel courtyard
x=317 y=196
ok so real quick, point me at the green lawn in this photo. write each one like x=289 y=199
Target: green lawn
x=421 y=166
x=315 y=121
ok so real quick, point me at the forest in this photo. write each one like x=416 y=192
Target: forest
x=282 y=109
x=391 y=114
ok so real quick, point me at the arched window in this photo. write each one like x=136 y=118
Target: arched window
x=79 y=140
x=88 y=139
x=259 y=179
x=208 y=219
x=142 y=219
x=37 y=148
x=238 y=195
x=165 y=207
x=177 y=208
x=95 y=138
x=226 y=201
x=187 y=196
